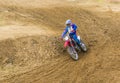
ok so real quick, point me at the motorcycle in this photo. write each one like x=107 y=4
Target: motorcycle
x=73 y=47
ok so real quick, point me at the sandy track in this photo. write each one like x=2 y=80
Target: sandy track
x=49 y=62
x=16 y=31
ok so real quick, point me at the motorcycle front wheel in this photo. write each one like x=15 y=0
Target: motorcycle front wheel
x=73 y=53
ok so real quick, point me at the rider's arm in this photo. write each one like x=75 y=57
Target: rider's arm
x=74 y=29
x=64 y=33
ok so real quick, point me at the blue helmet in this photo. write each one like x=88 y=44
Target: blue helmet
x=68 y=22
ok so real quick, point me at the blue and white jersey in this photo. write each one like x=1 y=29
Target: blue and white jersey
x=70 y=30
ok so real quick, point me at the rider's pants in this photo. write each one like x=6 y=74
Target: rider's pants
x=75 y=38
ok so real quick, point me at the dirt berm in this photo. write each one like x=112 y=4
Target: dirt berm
x=42 y=58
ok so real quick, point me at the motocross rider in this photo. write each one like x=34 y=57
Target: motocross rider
x=71 y=31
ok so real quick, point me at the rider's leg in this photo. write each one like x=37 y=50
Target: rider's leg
x=76 y=39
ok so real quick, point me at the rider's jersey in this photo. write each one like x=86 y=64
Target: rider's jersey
x=70 y=30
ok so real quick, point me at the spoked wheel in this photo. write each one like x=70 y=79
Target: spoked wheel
x=83 y=46
x=73 y=53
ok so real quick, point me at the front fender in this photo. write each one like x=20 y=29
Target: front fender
x=67 y=43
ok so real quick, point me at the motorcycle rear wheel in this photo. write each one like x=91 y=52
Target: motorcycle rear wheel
x=83 y=46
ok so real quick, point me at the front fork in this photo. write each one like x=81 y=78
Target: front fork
x=73 y=48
